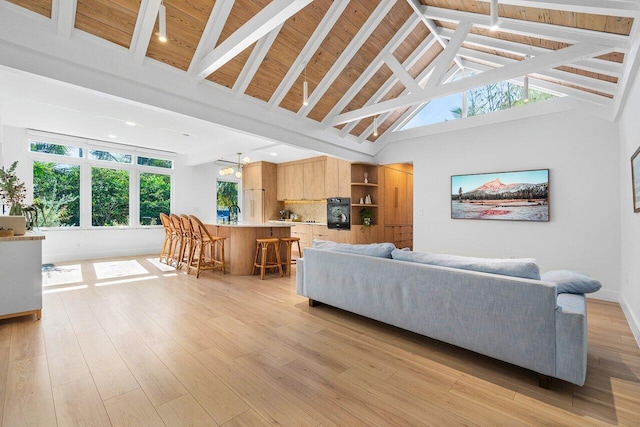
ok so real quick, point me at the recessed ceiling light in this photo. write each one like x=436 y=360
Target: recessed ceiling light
x=186 y=134
x=131 y=123
x=112 y=135
x=274 y=154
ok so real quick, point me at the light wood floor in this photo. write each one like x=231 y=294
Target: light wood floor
x=159 y=348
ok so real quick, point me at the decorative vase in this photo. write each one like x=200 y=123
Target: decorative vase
x=366 y=221
x=366 y=177
x=16 y=209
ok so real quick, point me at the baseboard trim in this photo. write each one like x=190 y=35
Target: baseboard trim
x=634 y=322
x=606 y=295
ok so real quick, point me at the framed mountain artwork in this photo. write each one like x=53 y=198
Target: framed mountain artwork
x=635 y=179
x=505 y=196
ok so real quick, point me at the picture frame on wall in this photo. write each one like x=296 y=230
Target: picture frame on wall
x=506 y=196
x=635 y=179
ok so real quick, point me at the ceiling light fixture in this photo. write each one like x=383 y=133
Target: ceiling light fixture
x=238 y=165
x=305 y=88
x=162 y=23
x=525 y=92
x=494 y=15
x=130 y=123
x=375 y=126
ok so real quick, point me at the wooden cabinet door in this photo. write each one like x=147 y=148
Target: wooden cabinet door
x=252 y=176
x=394 y=185
x=294 y=181
x=281 y=182
x=337 y=181
x=409 y=212
x=313 y=173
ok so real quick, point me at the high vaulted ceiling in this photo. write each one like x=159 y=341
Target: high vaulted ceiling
x=362 y=58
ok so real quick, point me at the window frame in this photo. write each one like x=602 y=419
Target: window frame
x=86 y=164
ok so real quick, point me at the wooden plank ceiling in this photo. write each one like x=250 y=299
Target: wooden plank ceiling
x=360 y=54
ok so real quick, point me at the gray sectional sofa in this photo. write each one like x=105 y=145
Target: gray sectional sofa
x=522 y=321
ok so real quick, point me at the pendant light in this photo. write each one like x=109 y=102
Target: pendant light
x=494 y=15
x=525 y=94
x=162 y=23
x=375 y=126
x=305 y=88
x=238 y=170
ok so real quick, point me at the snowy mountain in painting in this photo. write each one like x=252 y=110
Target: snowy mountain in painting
x=496 y=189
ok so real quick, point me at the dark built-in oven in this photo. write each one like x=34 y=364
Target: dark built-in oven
x=338 y=209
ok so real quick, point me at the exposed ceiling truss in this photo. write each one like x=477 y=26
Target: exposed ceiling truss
x=362 y=58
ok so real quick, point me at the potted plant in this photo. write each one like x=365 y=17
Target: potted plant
x=367 y=216
x=12 y=190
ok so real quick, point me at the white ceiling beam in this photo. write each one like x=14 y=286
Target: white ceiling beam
x=629 y=9
x=276 y=13
x=254 y=61
x=431 y=26
x=373 y=68
x=407 y=115
x=538 y=63
x=563 y=76
x=632 y=65
x=401 y=73
x=309 y=49
x=64 y=13
x=444 y=60
x=537 y=83
x=352 y=48
x=415 y=56
x=211 y=34
x=595 y=65
x=531 y=29
x=144 y=29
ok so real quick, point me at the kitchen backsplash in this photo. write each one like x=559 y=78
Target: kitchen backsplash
x=308 y=211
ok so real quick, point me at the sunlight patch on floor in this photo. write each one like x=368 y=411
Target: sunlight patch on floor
x=134 y=279
x=64 y=289
x=111 y=269
x=160 y=265
x=53 y=275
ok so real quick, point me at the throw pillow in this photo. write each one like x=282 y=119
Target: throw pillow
x=571 y=282
x=525 y=268
x=380 y=250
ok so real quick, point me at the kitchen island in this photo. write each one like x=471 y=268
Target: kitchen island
x=21 y=275
x=240 y=243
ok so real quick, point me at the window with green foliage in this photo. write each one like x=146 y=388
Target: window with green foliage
x=109 y=197
x=118 y=188
x=60 y=150
x=156 y=163
x=56 y=190
x=226 y=195
x=155 y=197
x=482 y=100
x=109 y=156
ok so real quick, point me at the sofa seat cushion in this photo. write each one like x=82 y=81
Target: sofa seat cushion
x=572 y=282
x=525 y=268
x=380 y=250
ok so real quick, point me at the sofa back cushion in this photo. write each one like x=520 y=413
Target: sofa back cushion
x=525 y=268
x=380 y=250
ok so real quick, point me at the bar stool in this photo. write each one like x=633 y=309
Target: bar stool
x=262 y=260
x=208 y=250
x=289 y=241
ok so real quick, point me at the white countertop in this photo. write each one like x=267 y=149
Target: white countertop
x=280 y=221
x=242 y=224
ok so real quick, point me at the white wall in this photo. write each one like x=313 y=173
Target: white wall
x=583 y=157
x=630 y=221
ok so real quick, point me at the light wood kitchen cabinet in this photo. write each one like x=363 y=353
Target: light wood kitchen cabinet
x=398 y=196
x=313 y=179
x=290 y=181
x=252 y=176
x=399 y=235
x=304 y=232
x=337 y=180
x=260 y=176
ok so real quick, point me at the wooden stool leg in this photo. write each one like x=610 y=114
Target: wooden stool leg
x=276 y=247
x=263 y=264
x=289 y=260
x=224 y=271
x=255 y=260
